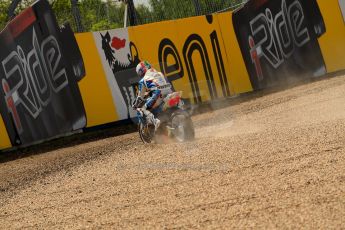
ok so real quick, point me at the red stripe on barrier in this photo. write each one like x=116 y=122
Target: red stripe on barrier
x=22 y=21
x=254 y=5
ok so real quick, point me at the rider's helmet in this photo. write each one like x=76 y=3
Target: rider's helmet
x=142 y=67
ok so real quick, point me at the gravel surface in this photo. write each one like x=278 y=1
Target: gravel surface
x=265 y=160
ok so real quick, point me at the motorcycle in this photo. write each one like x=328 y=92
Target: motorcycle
x=176 y=123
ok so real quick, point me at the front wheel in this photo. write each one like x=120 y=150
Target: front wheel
x=146 y=132
x=183 y=128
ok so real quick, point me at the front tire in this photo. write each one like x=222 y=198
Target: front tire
x=146 y=132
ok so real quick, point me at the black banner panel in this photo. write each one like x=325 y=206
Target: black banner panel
x=278 y=40
x=40 y=65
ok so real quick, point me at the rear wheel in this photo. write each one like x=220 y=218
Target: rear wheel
x=183 y=128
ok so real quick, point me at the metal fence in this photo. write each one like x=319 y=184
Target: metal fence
x=94 y=15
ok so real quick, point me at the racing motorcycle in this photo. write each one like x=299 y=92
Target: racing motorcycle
x=176 y=123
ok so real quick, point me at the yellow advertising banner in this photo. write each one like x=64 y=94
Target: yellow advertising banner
x=94 y=87
x=238 y=74
x=332 y=42
x=4 y=138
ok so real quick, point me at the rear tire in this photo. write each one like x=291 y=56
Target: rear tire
x=190 y=129
x=183 y=128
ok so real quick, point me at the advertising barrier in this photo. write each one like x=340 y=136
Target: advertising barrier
x=279 y=39
x=40 y=67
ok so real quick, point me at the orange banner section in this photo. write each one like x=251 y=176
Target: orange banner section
x=4 y=138
x=332 y=42
x=94 y=87
x=238 y=75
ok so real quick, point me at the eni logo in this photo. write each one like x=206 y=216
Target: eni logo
x=194 y=44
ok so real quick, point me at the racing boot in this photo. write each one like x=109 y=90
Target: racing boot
x=156 y=123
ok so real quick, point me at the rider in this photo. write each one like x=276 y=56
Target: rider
x=156 y=86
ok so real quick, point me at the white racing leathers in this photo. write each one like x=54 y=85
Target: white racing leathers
x=158 y=87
